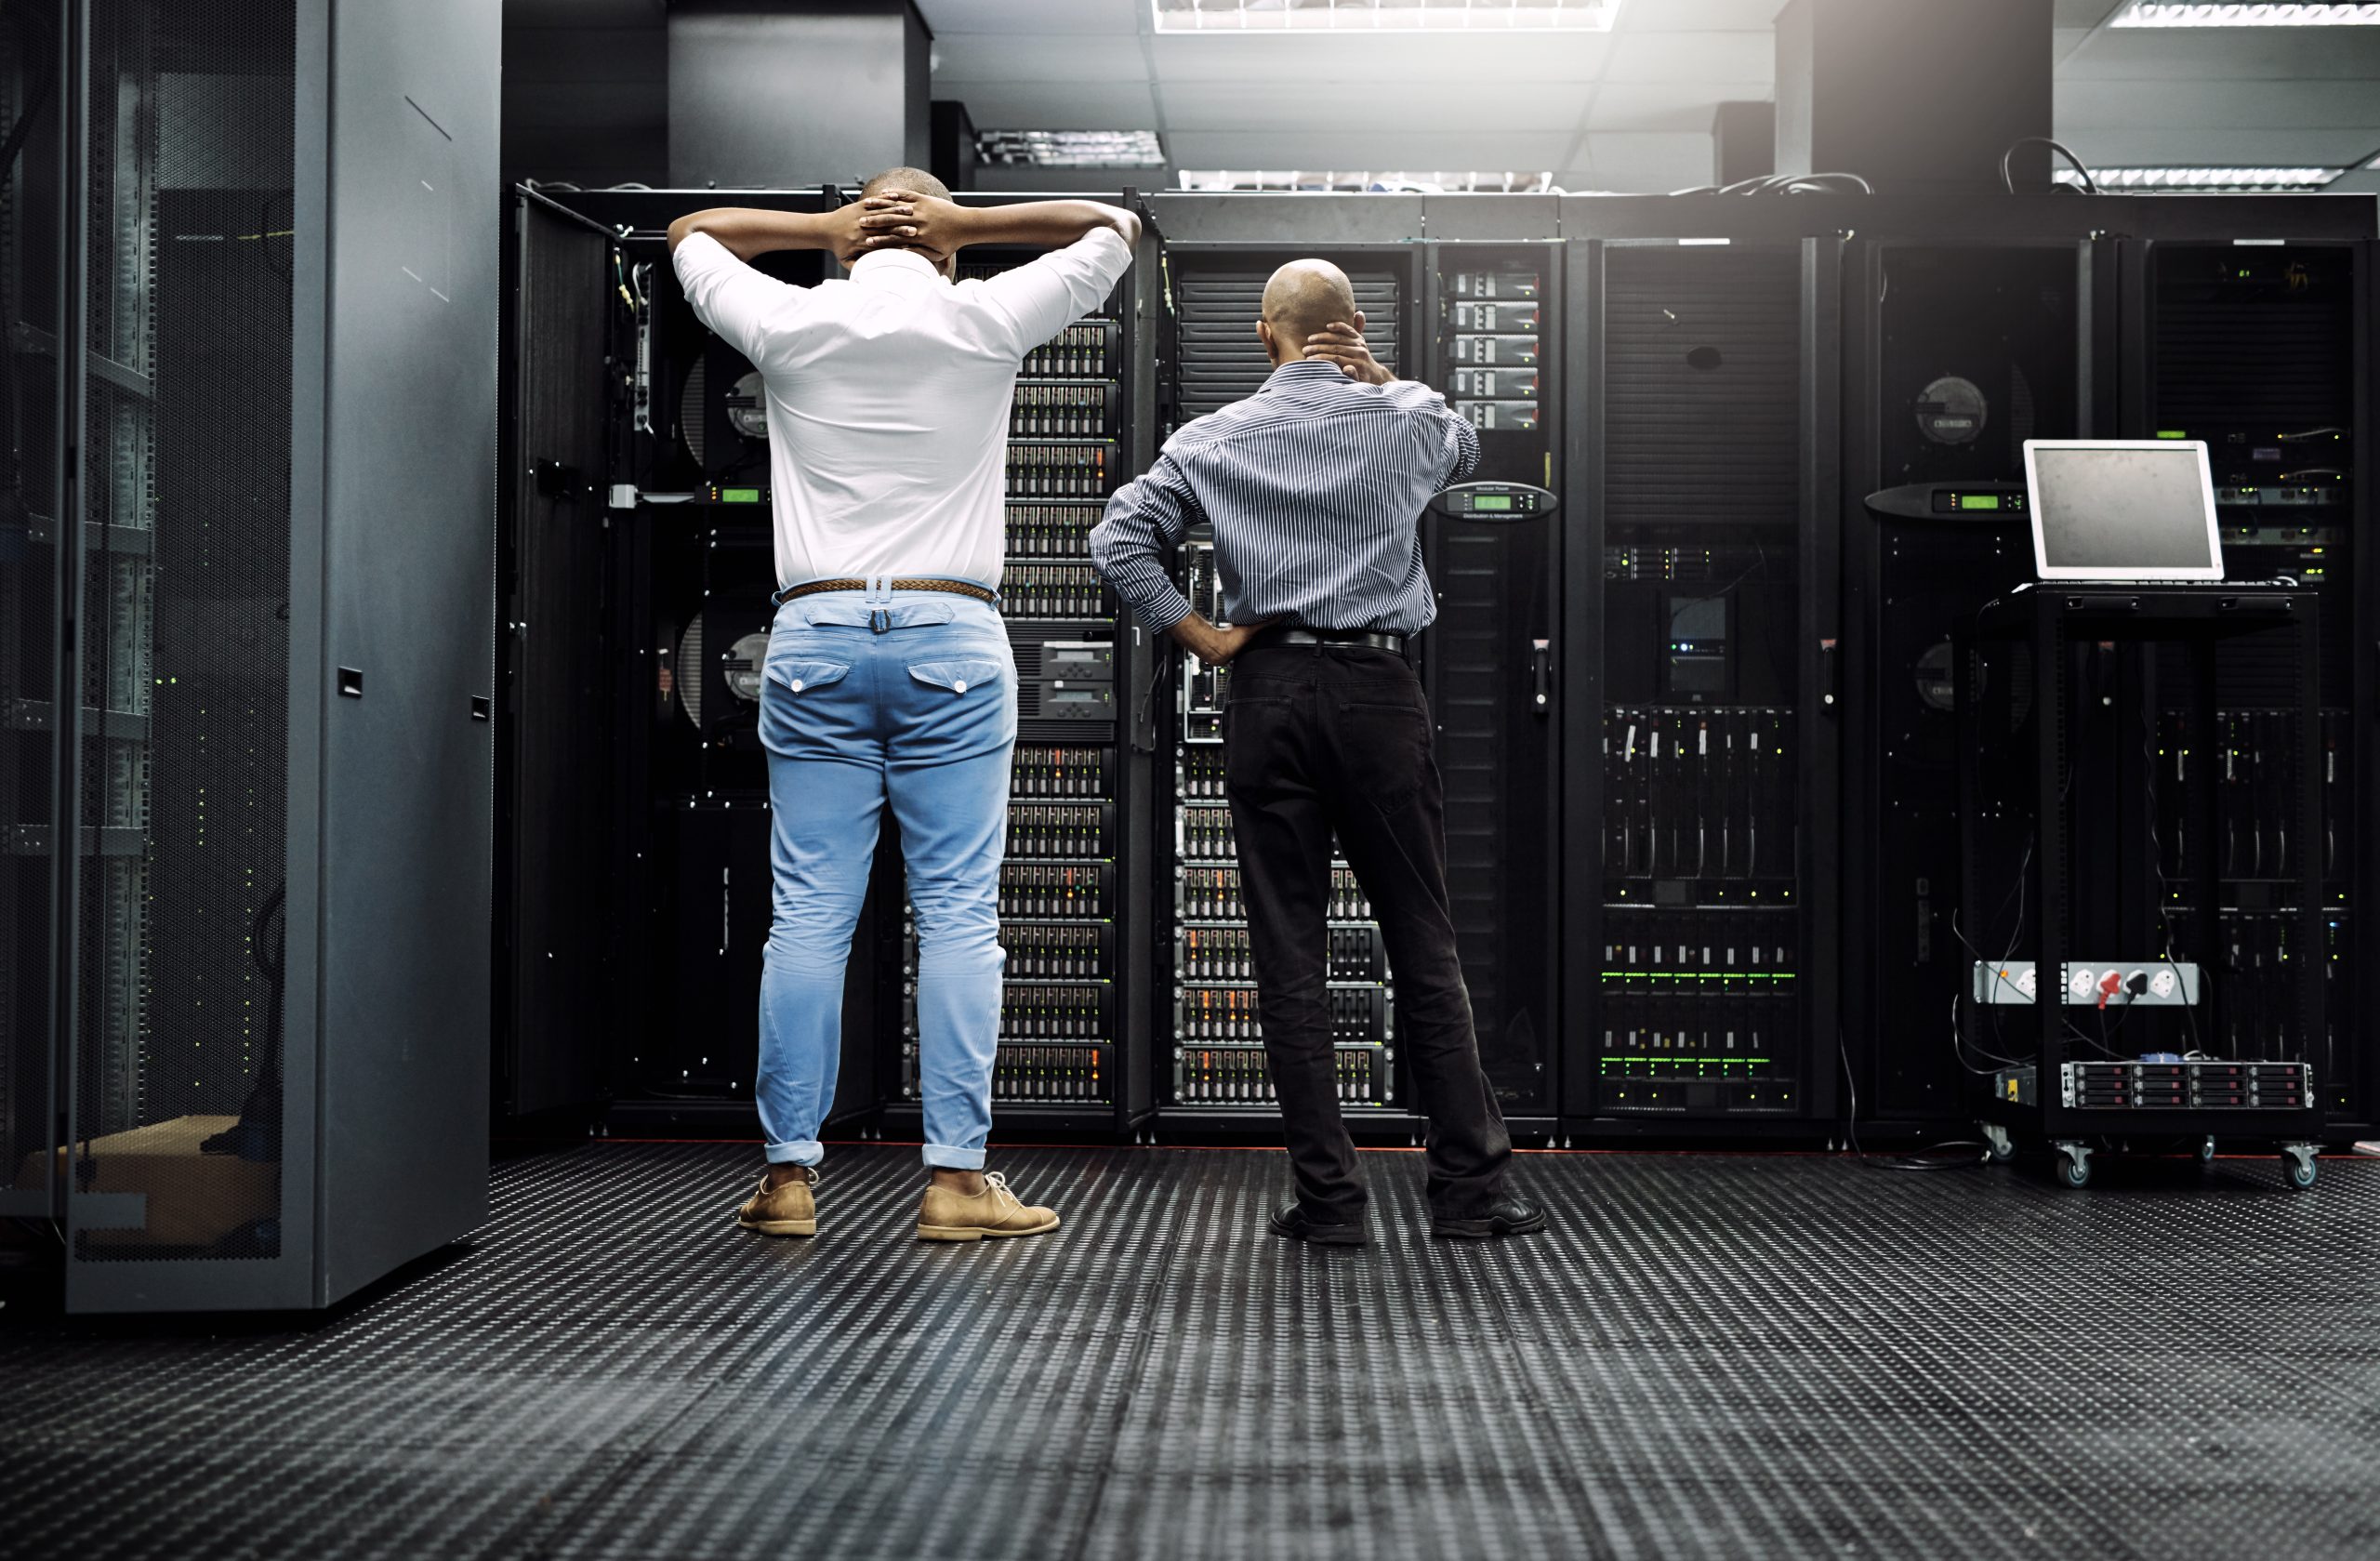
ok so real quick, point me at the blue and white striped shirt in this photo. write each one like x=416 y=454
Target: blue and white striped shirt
x=1315 y=486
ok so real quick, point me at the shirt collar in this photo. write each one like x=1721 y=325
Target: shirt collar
x=886 y=264
x=1299 y=369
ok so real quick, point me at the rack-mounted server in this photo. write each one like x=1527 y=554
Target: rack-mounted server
x=1063 y=881
x=1709 y=603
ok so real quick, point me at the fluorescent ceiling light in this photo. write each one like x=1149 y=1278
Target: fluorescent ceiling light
x=2211 y=181
x=1385 y=16
x=1068 y=149
x=1344 y=183
x=2153 y=13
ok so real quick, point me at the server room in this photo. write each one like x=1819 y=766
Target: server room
x=1189 y=778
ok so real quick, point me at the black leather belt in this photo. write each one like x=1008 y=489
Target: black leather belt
x=1393 y=644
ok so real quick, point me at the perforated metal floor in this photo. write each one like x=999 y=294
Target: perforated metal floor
x=1755 y=1357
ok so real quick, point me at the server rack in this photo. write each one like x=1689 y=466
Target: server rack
x=1967 y=331
x=2253 y=333
x=1432 y=274
x=1494 y=290
x=248 y=970
x=1070 y=1057
x=1208 y=1020
x=1702 y=668
x=638 y=564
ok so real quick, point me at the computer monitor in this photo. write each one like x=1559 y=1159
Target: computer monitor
x=2122 y=509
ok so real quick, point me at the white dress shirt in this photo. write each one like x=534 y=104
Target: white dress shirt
x=888 y=397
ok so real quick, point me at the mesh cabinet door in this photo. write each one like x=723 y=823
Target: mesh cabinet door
x=31 y=391
x=177 y=845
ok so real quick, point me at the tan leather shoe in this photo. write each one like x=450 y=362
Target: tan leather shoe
x=791 y=1209
x=948 y=1216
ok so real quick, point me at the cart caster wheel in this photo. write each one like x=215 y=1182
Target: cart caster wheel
x=2074 y=1165
x=2206 y=1150
x=2297 y=1167
x=1996 y=1140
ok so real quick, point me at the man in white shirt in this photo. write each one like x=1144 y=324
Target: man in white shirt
x=889 y=677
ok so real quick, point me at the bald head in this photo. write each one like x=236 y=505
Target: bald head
x=1302 y=298
x=917 y=181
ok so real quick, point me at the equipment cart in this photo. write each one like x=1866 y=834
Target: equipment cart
x=2164 y=861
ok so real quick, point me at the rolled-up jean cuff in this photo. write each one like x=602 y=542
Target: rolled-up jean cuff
x=943 y=1158
x=808 y=1151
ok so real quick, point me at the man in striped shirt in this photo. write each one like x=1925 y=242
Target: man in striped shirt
x=1314 y=487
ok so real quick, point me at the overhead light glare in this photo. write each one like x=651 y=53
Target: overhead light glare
x=1340 y=181
x=1385 y=16
x=2154 y=13
x=1068 y=149
x=2208 y=181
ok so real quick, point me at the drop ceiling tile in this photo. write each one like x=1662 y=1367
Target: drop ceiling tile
x=2228 y=54
x=1409 y=106
x=1666 y=105
x=1376 y=149
x=2142 y=105
x=991 y=56
x=1654 y=56
x=1029 y=106
x=1455 y=62
x=1699 y=16
x=949 y=16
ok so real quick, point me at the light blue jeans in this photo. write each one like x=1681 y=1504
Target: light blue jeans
x=906 y=696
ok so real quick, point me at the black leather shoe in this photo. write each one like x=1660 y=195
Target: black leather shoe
x=1292 y=1221
x=1506 y=1216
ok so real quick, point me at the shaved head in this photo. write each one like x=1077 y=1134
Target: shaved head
x=1304 y=297
x=917 y=181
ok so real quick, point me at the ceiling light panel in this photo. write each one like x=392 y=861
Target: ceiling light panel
x=2154 y=13
x=1342 y=181
x=1385 y=16
x=2207 y=180
x=1068 y=149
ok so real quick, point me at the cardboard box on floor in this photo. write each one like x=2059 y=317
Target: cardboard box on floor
x=195 y=1198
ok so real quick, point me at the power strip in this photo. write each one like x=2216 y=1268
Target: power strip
x=2158 y=983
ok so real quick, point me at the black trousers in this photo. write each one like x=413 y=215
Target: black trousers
x=1324 y=737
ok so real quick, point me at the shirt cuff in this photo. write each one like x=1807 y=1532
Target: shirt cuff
x=1162 y=614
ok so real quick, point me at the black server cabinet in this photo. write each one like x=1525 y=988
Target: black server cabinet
x=1465 y=294
x=1493 y=293
x=245 y=548
x=1959 y=347
x=1206 y=1019
x=1071 y=1057
x=637 y=568
x=2258 y=339
x=1701 y=676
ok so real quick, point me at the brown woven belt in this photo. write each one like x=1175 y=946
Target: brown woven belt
x=954 y=587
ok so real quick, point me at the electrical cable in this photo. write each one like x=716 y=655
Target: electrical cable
x=1861 y=1156
x=2008 y=176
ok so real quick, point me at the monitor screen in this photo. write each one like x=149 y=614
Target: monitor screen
x=2123 y=511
